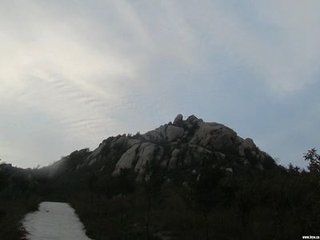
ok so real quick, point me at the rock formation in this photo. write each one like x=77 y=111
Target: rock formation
x=183 y=144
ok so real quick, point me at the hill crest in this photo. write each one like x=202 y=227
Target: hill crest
x=181 y=144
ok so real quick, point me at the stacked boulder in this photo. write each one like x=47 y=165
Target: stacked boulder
x=183 y=144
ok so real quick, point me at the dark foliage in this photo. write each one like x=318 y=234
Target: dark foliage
x=210 y=202
x=314 y=160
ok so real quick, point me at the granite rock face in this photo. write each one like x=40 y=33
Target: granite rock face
x=127 y=159
x=183 y=144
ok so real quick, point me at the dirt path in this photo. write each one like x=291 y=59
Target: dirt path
x=54 y=221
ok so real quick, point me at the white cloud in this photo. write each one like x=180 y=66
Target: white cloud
x=84 y=64
x=53 y=68
x=49 y=65
x=282 y=47
x=279 y=43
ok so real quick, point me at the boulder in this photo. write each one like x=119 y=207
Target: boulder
x=146 y=154
x=216 y=136
x=157 y=135
x=173 y=133
x=97 y=151
x=247 y=144
x=127 y=159
x=132 y=142
x=174 y=159
x=178 y=121
x=153 y=136
x=192 y=119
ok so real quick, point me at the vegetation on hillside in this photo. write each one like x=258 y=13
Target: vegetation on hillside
x=278 y=203
x=207 y=203
x=19 y=194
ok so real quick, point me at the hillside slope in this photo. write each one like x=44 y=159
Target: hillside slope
x=182 y=144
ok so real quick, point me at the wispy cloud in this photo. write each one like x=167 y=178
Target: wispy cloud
x=93 y=69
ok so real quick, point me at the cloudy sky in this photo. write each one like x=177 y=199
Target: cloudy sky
x=76 y=72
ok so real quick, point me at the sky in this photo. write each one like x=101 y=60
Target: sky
x=76 y=72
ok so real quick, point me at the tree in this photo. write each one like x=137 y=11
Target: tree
x=152 y=183
x=2 y=178
x=205 y=192
x=314 y=160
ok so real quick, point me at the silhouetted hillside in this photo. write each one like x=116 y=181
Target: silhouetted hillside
x=182 y=145
x=188 y=179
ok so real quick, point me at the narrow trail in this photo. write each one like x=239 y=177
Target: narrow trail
x=54 y=221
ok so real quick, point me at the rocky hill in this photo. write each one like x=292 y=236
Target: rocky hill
x=181 y=144
x=188 y=179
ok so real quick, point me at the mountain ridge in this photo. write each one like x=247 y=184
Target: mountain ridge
x=181 y=144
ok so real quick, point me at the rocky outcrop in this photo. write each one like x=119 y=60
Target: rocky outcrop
x=182 y=144
x=174 y=159
x=178 y=121
x=216 y=137
x=246 y=144
x=173 y=133
x=127 y=159
x=164 y=133
x=145 y=155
